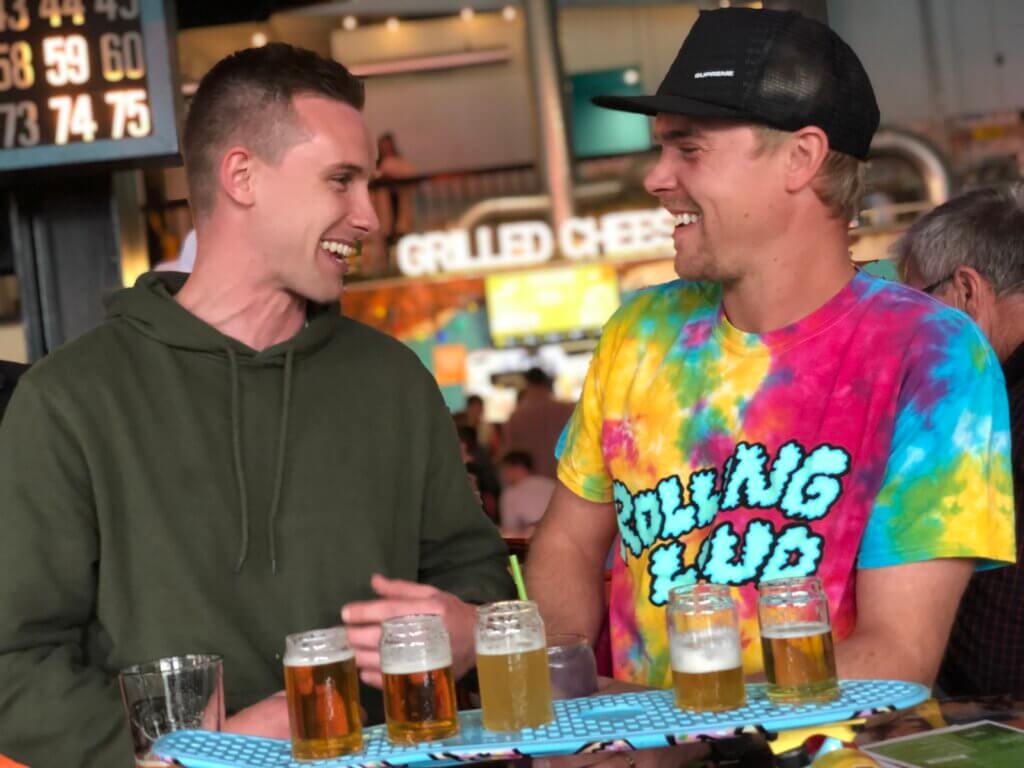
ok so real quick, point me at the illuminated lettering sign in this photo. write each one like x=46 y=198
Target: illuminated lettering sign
x=528 y=243
x=84 y=81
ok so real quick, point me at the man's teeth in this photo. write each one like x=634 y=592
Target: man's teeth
x=338 y=249
x=687 y=218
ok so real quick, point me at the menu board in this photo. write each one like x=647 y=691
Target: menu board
x=85 y=81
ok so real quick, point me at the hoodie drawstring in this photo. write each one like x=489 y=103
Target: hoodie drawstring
x=236 y=444
x=282 y=442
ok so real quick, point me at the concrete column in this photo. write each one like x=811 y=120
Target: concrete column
x=553 y=138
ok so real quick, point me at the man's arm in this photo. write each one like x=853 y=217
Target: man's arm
x=463 y=560
x=904 y=616
x=565 y=570
x=55 y=708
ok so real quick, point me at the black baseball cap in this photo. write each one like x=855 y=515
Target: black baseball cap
x=773 y=67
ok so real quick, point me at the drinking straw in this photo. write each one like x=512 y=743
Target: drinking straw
x=517 y=577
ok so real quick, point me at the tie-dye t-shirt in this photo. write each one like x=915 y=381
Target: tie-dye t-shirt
x=874 y=432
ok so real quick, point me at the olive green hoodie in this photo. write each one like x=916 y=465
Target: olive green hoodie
x=165 y=489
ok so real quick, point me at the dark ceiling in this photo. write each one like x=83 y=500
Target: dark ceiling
x=207 y=13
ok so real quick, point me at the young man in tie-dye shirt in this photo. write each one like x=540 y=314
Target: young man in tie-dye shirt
x=776 y=413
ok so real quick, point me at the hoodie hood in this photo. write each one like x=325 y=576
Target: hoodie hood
x=150 y=308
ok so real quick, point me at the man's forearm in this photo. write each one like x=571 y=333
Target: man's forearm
x=567 y=585
x=867 y=655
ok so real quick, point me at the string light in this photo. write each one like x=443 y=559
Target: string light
x=467 y=13
x=392 y=23
x=349 y=23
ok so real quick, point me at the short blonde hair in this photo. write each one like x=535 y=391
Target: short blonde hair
x=840 y=180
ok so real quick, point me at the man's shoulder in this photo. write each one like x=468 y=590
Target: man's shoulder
x=672 y=303
x=922 y=323
x=100 y=354
x=374 y=347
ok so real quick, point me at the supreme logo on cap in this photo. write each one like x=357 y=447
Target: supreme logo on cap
x=713 y=73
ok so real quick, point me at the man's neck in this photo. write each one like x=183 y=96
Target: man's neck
x=223 y=294
x=1008 y=333
x=789 y=284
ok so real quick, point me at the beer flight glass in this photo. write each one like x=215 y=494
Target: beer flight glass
x=419 y=686
x=512 y=666
x=704 y=646
x=796 y=639
x=322 y=686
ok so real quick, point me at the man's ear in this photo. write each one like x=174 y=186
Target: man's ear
x=805 y=150
x=236 y=175
x=972 y=293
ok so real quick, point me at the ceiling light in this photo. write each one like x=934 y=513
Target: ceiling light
x=631 y=77
x=259 y=39
x=349 y=23
x=391 y=23
x=509 y=12
x=467 y=13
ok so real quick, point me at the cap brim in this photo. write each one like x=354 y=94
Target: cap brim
x=667 y=104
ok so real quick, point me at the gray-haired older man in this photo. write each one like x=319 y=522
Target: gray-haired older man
x=969 y=253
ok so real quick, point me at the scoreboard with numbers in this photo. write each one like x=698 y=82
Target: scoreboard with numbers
x=86 y=81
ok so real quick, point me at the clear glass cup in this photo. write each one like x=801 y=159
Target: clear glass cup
x=419 y=685
x=704 y=645
x=512 y=666
x=322 y=685
x=573 y=666
x=796 y=640
x=172 y=694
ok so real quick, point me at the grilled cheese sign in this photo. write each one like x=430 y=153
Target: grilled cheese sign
x=527 y=243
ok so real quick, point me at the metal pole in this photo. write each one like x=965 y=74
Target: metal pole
x=546 y=70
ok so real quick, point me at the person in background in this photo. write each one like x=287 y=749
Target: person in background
x=775 y=412
x=186 y=259
x=9 y=374
x=227 y=459
x=524 y=495
x=486 y=434
x=969 y=253
x=393 y=202
x=537 y=422
x=481 y=468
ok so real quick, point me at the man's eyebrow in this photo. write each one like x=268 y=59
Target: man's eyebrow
x=338 y=168
x=677 y=134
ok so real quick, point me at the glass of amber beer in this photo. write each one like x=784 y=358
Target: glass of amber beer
x=796 y=639
x=704 y=644
x=512 y=664
x=322 y=684
x=419 y=686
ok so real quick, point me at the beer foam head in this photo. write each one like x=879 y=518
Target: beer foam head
x=316 y=658
x=788 y=631
x=318 y=646
x=714 y=650
x=414 y=660
x=501 y=646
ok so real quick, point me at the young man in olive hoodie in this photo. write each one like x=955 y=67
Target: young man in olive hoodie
x=226 y=459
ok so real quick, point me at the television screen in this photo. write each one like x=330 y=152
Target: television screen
x=546 y=305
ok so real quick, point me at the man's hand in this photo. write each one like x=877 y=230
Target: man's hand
x=400 y=598
x=267 y=718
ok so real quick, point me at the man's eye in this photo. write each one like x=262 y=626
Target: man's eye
x=342 y=181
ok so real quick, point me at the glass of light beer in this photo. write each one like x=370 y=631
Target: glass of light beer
x=323 y=694
x=704 y=644
x=512 y=665
x=796 y=640
x=419 y=686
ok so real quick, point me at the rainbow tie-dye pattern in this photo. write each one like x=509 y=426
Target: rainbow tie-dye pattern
x=874 y=432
